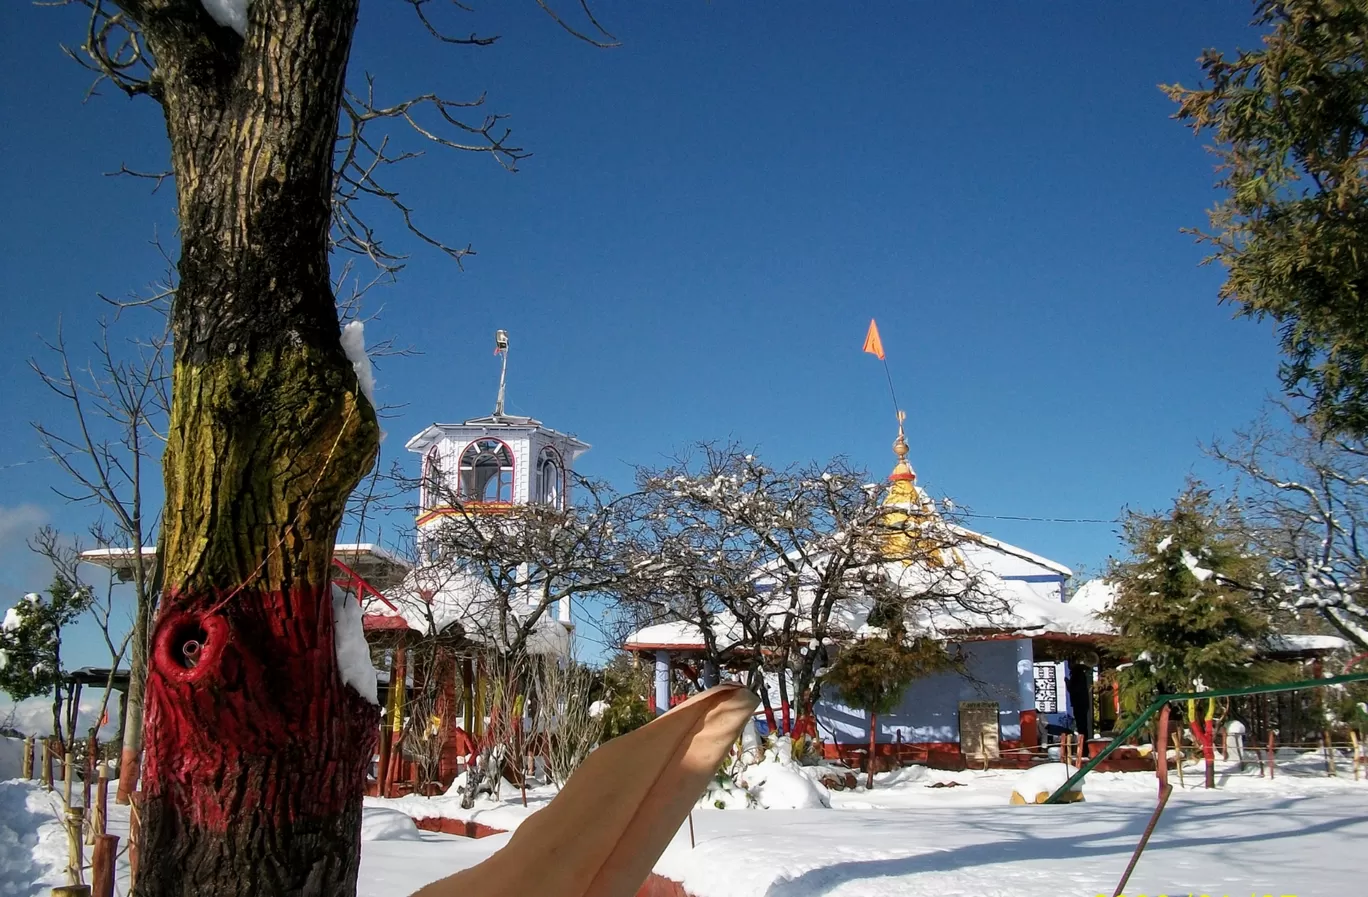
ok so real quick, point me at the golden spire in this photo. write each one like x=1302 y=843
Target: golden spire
x=903 y=488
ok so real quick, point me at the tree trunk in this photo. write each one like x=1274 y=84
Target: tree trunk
x=1204 y=733
x=57 y=713
x=130 y=756
x=873 y=732
x=784 y=701
x=255 y=751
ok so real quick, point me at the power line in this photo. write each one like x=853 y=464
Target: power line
x=23 y=463
x=1037 y=519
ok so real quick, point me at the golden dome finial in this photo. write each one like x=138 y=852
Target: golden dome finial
x=902 y=471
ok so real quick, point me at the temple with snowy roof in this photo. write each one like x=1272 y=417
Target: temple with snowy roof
x=1026 y=663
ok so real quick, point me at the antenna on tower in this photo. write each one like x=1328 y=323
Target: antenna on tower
x=501 y=348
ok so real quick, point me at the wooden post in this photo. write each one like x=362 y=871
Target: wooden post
x=382 y=762
x=1329 y=747
x=394 y=770
x=1354 y=746
x=75 y=845
x=134 y=834
x=1161 y=748
x=1270 y=754
x=47 y=763
x=102 y=866
x=1178 y=746
x=28 y=764
x=102 y=801
x=67 y=773
x=92 y=760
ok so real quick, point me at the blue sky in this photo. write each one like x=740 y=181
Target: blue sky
x=712 y=214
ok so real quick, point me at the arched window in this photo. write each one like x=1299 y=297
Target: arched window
x=551 y=478
x=487 y=472
x=430 y=485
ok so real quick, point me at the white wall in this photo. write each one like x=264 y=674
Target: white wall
x=930 y=707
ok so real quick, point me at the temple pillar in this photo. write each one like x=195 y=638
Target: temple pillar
x=1026 y=701
x=662 y=681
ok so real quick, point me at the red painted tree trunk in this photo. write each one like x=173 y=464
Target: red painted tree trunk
x=255 y=751
x=873 y=731
x=1206 y=737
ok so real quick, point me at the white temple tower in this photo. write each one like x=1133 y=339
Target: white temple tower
x=489 y=464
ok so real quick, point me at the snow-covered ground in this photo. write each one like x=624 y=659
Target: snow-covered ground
x=918 y=833
x=926 y=832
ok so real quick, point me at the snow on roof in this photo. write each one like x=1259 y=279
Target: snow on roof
x=430 y=434
x=1006 y=606
x=1029 y=613
x=97 y=555
x=379 y=566
x=674 y=634
x=1095 y=595
x=682 y=634
x=1306 y=643
x=433 y=599
x=1020 y=553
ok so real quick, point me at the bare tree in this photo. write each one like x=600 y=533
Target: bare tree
x=65 y=557
x=565 y=724
x=427 y=728
x=1305 y=495
x=501 y=576
x=118 y=405
x=270 y=429
x=769 y=563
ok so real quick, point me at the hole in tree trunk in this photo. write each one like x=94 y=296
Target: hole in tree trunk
x=189 y=645
x=189 y=641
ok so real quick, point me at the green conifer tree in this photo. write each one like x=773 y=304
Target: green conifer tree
x=31 y=645
x=1187 y=609
x=872 y=674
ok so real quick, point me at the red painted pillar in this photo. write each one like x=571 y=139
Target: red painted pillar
x=1030 y=729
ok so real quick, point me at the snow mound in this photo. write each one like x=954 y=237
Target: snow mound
x=353 y=653
x=384 y=824
x=903 y=776
x=1044 y=780
x=724 y=794
x=778 y=785
x=228 y=13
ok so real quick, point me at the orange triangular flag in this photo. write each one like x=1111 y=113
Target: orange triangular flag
x=873 y=345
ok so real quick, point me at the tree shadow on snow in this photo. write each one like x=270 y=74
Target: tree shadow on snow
x=19 y=874
x=1037 y=843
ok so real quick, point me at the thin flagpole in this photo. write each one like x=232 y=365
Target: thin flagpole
x=874 y=346
x=897 y=409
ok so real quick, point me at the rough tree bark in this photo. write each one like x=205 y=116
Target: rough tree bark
x=256 y=752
